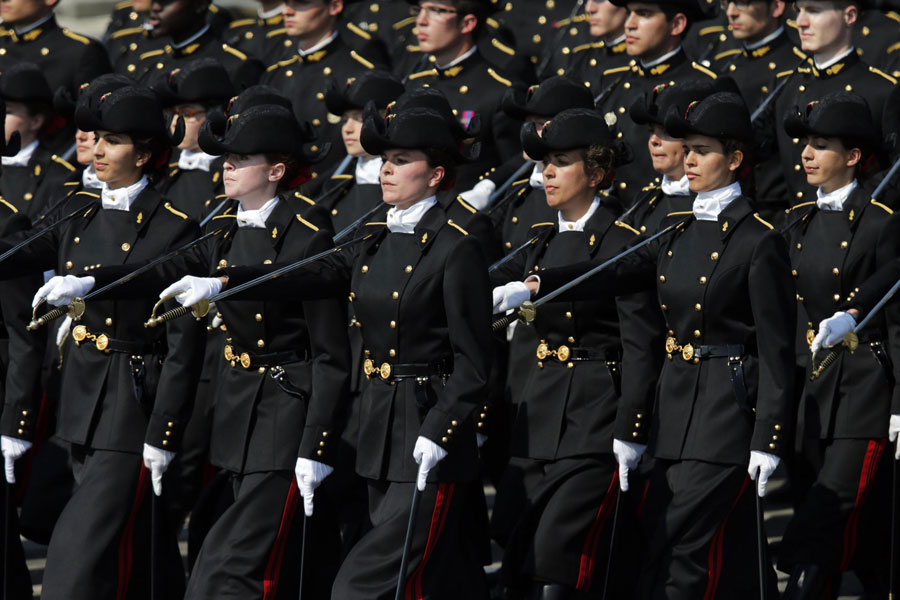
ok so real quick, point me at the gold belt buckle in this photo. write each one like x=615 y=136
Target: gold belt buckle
x=369 y=367
x=563 y=353
x=543 y=350
x=229 y=353
x=245 y=360
x=810 y=336
x=79 y=333
x=102 y=342
x=385 y=371
x=687 y=352
x=671 y=345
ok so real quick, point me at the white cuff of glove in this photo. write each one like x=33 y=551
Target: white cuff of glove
x=510 y=296
x=190 y=290
x=157 y=461
x=61 y=290
x=427 y=454
x=832 y=330
x=894 y=434
x=765 y=464
x=480 y=195
x=628 y=455
x=13 y=449
x=310 y=475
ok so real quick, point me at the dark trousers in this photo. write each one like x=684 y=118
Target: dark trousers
x=18 y=580
x=100 y=548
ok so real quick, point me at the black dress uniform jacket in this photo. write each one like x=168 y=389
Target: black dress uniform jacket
x=652 y=206
x=255 y=37
x=196 y=192
x=589 y=61
x=37 y=186
x=527 y=207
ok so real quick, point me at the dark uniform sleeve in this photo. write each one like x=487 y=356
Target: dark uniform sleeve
x=876 y=287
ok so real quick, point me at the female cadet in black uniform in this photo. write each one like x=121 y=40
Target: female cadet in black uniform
x=420 y=290
x=562 y=434
x=838 y=241
x=723 y=401
x=123 y=396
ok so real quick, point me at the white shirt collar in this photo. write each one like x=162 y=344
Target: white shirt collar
x=256 y=219
x=460 y=58
x=682 y=187
x=835 y=200
x=269 y=13
x=708 y=205
x=122 y=198
x=537 y=176
x=188 y=160
x=21 y=158
x=318 y=46
x=34 y=25
x=191 y=39
x=837 y=58
x=766 y=39
x=89 y=178
x=580 y=223
x=368 y=171
x=405 y=220
x=661 y=59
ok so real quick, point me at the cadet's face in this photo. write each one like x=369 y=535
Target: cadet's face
x=753 y=20
x=437 y=30
x=18 y=119
x=246 y=175
x=194 y=116
x=828 y=164
x=646 y=29
x=406 y=177
x=84 y=146
x=174 y=16
x=821 y=23
x=14 y=12
x=666 y=152
x=116 y=160
x=310 y=18
x=604 y=17
x=706 y=165
x=141 y=6
x=565 y=179
x=351 y=126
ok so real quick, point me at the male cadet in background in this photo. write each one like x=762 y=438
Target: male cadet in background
x=606 y=51
x=826 y=30
x=653 y=34
x=261 y=36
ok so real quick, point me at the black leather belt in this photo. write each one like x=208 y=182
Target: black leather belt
x=733 y=352
x=568 y=354
x=253 y=361
x=397 y=372
x=719 y=351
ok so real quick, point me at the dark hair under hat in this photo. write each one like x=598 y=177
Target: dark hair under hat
x=25 y=82
x=376 y=85
x=434 y=99
x=836 y=115
x=547 y=99
x=722 y=115
x=570 y=129
x=202 y=80
x=653 y=106
x=134 y=110
x=414 y=128
x=692 y=9
x=12 y=147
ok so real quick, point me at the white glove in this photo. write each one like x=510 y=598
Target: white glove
x=157 y=461
x=511 y=295
x=310 y=475
x=480 y=439
x=628 y=455
x=766 y=464
x=427 y=454
x=61 y=290
x=480 y=195
x=63 y=330
x=190 y=290
x=832 y=330
x=893 y=431
x=13 y=449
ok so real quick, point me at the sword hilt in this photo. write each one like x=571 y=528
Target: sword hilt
x=524 y=313
x=74 y=309
x=199 y=310
x=167 y=316
x=851 y=342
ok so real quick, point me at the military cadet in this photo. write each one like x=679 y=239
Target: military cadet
x=32 y=179
x=123 y=397
x=562 y=435
x=875 y=35
x=842 y=238
x=132 y=14
x=724 y=400
x=710 y=36
x=260 y=37
x=826 y=30
x=607 y=50
x=654 y=33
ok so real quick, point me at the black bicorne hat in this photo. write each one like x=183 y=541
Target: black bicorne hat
x=202 y=80
x=414 y=128
x=262 y=129
x=25 y=82
x=722 y=115
x=694 y=10
x=255 y=95
x=464 y=126
x=653 y=106
x=571 y=129
x=547 y=99
x=134 y=110
x=837 y=115
x=378 y=86
x=65 y=104
x=12 y=147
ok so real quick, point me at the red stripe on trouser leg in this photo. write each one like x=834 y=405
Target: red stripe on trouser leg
x=276 y=557
x=866 y=477
x=716 y=546
x=413 y=590
x=126 y=543
x=589 y=550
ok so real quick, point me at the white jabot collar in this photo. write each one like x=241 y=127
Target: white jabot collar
x=405 y=220
x=318 y=46
x=537 y=176
x=89 y=178
x=191 y=39
x=835 y=200
x=766 y=39
x=580 y=223
x=460 y=58
x=368 y=171
x=22 y=157
x=256 y=219
x=268 y=14
x=708 y=205
x=34 y=25
x=840 y=57
x=189 y=160
x=661 y=59
x=682 y=187
x=122 y=198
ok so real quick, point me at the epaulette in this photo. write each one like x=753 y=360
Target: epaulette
x=274 y=32
x=307 y=223
x=76 y=37
x=617 y=70
x=502 y=47
x=548 y=223
x=892 y=15
x=582 y=48
x=234 y=52
x=151 y=53
x=221 y=196
x=800 y=53
x=306 y=199
x=404 y=23
x=881 y=206
x=428 y=73
x=802 y=204
x=521 y=182
x=373 y=223
x=123 y=5
x=361 y=60
x=763 y=221
x=71 y=183
x=704 y=70
x=711 y=29
x=502 y=80
x=883 y=74
x=783 y=74
x=224 y=217
x=240 y=23
x=342 y=177
x=466 y=205
x=354 y=28
x=680 y=212
x=8 y=205
x=168 y=206
x=283 y=63
x=628 y=227
x=457 y=227
x=63 y=162
x=87 y=193
x=727 y=53
x=123 y=32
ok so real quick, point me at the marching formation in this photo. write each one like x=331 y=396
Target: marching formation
x=305 y=283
